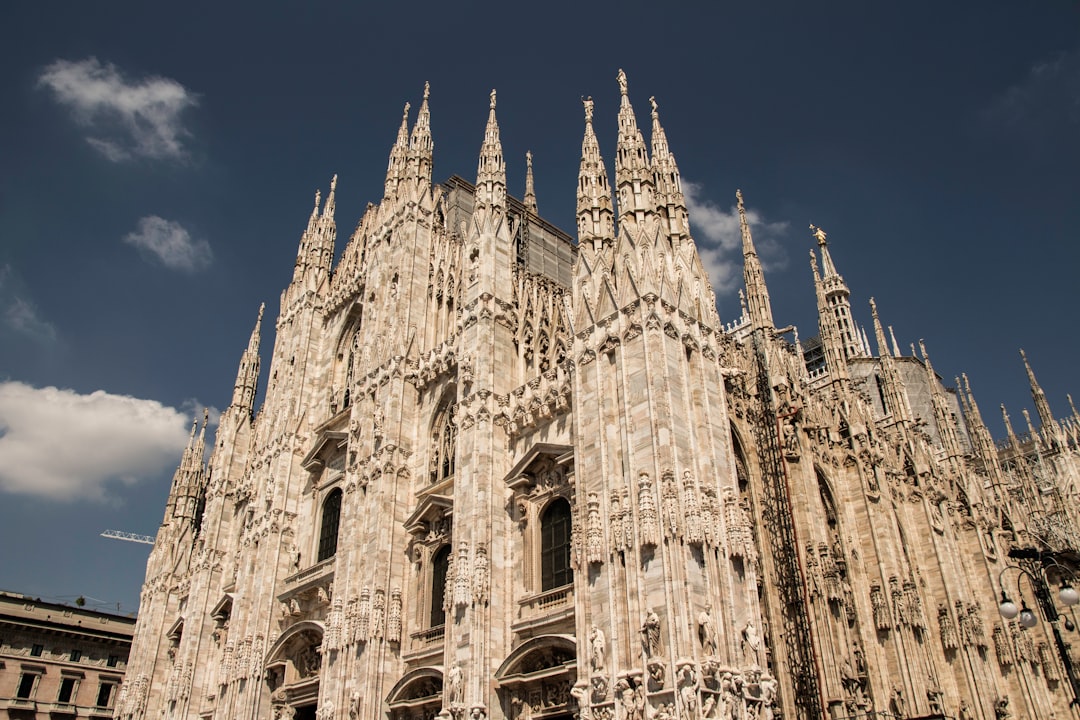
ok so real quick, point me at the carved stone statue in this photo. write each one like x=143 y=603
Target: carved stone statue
x=707 y=631
x=650 y=629
x=751 y=643
x=597 y=649
x=455 y=685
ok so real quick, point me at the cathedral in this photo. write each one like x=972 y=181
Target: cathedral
x=498 y=471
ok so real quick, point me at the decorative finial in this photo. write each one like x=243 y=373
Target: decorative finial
x=622 y=81
x=262 y=307
x=318 y=197
x=818 y=233
x=427 y=90
x=655 y=112
x=739 y=203
x=588 y=103
x=492 y=99
x=333 y=183
x=528 y=158
x=405 y=112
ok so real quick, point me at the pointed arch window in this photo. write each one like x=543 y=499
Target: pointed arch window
x=328 y=530
x=444 y=444
x=440 y=566
x=555 y=527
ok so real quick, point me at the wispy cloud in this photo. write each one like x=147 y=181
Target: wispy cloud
x=62 y=445
x=719 y=238
x=18 y=314
x=170 y=243
x=1043 y=109
x=126 y=118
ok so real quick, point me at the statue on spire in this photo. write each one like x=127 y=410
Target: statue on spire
x=588 y=103
x=655 y=111
x=492 y=99
x=427 y=90
x=818 y=233
x=622 y=81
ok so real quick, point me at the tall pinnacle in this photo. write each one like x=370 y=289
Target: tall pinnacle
x=595 y=215
x=247 y=376
x=665 y=171
x=757 y=294
x=395 y=167
x=530 y=190
x=331 y=202
x=879 y=331
x=828 y=329
x=491 y=170
x=1041 y=405
x=838 y=296
x=633 y=179
x=1013 y=442
x=421 y=146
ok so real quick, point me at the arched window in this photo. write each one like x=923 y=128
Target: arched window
x=444 y=443
x=328 y=532
x=555 y=524
x=440 y=564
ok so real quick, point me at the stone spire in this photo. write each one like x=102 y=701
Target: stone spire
x=946 y=424
x=395 y=168
x=247 y=376
x=669 y=194
x=892 y=386
x=633 y=178
x=980 y=435
x=757 y=294
x=1013 y=442
x=316 y=250
x=838 y=296
x=530 y=189
x=830 y=333
x=1046 y=418
x=421 y=146
x=491 y=169
x=595 y=214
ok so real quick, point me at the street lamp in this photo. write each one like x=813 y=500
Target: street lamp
x=1067 y=595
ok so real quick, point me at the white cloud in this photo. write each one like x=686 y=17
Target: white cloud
x=719 y=238
x=61 y=445
x=18 y=313
x=127 y=118
x=170 y=243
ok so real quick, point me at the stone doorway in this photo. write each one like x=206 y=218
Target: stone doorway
x=305 y=712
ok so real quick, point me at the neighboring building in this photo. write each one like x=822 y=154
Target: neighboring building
x=501 y=473
x=59 y=661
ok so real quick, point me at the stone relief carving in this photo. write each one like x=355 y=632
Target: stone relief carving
x=648 y=521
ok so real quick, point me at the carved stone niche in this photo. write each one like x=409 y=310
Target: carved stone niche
x=293 y=664
x=537 y=678
x=221 y=615
x=418 y=694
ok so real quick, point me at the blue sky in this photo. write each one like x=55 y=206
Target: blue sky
x=157 y=166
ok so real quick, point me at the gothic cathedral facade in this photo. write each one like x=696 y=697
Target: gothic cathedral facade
x=499 y=472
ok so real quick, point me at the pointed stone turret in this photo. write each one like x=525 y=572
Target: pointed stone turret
x=828 y=329
x=1046 y=417
x=892 y=386
x=895 y=346
x=838 y=296
x=399 y=152
x=421 y=145
x=247 y=376
x=669 y=195
x=757 y=294
x=595 y=213
x=633 y=177
x=530 y=189
x=980 y=435
x=491 y=169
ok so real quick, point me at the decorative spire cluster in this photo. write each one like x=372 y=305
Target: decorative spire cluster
x=491 y=169
x=633 y=176
x=595 y=214
x=421 y=145
x=247 y=376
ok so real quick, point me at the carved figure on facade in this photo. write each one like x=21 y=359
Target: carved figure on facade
x=880 y=608
x=363 y=616
x=688 y=688
x=615 y=523
x=707 y=631
x=657 y=671
x=462 y=576
x=751 y=645
x=632 y=700
x=378 y=614
x=671 y=506
x=650 y=630
x=481 y=575
x=393 y=617
x=455 y=685
x=597 y=649
x=594 y=533
x=648 y=522
x=949 y=640
x=693 y=534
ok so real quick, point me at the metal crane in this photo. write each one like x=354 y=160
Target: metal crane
x=130 y=537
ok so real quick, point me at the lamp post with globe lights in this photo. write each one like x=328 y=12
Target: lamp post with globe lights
x=1037 y=565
